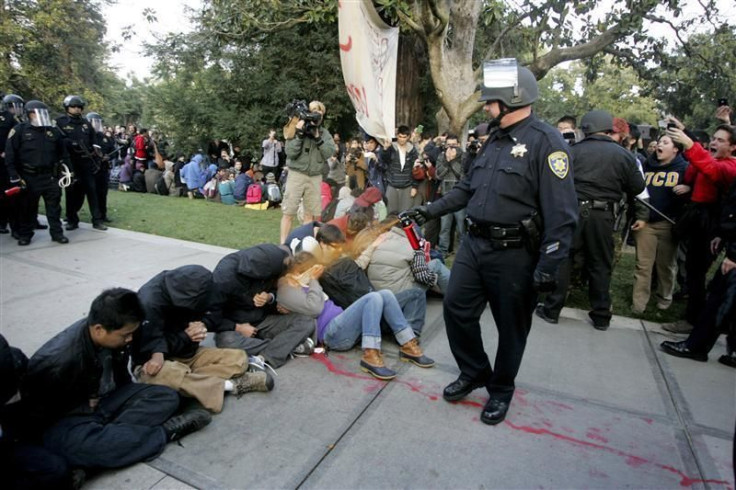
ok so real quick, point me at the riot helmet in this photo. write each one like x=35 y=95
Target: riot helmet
x=14 y=104
x=38 y=113
x=596 y=121
x=95 y=120
x=73 y=101
x=505 y=81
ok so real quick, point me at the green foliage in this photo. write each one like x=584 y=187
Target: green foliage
x=571 y=90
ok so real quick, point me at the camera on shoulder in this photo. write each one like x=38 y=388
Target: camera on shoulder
x=300 y=109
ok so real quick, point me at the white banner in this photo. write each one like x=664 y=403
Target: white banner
x=368 y=53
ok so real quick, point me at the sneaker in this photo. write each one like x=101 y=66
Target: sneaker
x=186 y=423
x=305 y=349
x=258 y=364
x=680 y=326
x=253 y=381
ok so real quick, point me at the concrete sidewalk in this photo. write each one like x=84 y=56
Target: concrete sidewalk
x=592 y=410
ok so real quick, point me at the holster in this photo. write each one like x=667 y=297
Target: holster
x=531 y=233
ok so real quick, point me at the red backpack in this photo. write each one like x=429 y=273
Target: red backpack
x=254 y=194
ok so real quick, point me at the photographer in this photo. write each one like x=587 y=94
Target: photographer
x=450 y=170
x=308 y=146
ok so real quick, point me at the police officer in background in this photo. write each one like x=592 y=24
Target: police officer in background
x=105 y=145
x=521 y=213
x=603 y=171
x=10 y=114
x=33 y=154
x=80 y=140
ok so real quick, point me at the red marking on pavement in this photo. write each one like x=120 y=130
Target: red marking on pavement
x=630 y=459
x=595 y=434
x=648 y=421
x=348 y=45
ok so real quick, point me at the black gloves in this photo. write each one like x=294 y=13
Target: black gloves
x=420 y=214
x=543 y=282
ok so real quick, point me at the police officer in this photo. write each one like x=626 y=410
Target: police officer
x=12 y=110
x=80 y=140
x=603 y=171
x=33 y=155
x=105 y=145
x=521 y=214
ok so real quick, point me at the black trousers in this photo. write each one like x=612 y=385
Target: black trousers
x=697 y=262
x=25 y=466
x=102 y=179
x=593 y=243
x=84 y=185
x=8 y=205
x=125 y=428
x=706 y=328
x=503 y=279
x=39 y=185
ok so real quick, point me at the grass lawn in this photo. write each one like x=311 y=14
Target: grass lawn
x=236 y=227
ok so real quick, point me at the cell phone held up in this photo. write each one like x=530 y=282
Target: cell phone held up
x=722 y=102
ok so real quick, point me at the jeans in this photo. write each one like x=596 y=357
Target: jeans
x=443 y=274
x=363 y=317
x=446 y=230
x=413 y=303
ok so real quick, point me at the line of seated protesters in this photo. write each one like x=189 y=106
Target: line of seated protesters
x=133 y=375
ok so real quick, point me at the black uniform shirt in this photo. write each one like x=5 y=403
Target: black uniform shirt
x=79 y=135
x=33 y=149
x=7 y=122
x=604 y=170
x=521 y=170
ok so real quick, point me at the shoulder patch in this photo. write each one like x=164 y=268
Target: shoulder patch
x=559 y=163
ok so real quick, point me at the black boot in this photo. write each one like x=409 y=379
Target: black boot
x=186 y=423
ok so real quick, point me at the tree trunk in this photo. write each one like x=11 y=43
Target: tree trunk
x=411 y=64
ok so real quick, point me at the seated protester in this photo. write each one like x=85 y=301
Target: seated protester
x=138 y=183
x=194 y=174
x=345 y=281
x=325 y=234
x=225 y=189
x=345 y=201
x=79 y=392
x=181 y=305
x=151 y=176
x=170 y=179
x=656 y=246
x=300 y=291
x=396 y=266
x=353 y=222
x=126 y=173
x=272 y=191
x=251 y=322
x=240 y=187
x=23 y=464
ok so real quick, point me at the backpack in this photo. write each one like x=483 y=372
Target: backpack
x=254 y=195
x=273 y=193
x=345 y=282
x=160 y=186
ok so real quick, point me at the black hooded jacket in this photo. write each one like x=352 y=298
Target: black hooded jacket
x=64 y=374
x=171 y=300
x=243 y=274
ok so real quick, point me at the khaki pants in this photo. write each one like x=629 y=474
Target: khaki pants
x=655 y=247
x=201 y=376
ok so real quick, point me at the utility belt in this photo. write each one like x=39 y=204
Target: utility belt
x=597 y=205
x=28 y=170
x=501 y=237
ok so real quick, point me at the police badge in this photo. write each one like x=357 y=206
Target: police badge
x=559 y=164
x=519 y=150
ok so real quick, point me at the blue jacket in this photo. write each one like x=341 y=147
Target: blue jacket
x=661 y=180
x=195 y=173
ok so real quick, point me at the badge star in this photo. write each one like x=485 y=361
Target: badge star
x=519 y=150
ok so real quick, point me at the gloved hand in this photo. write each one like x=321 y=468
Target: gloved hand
x=420 y=214
x=543 y=282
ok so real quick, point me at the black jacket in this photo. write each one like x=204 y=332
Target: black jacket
x=243 y=274
x=65 y=374
x=727 y=223
x=345 y=282
x=396 y=176
x=171 y=300
x=31 y=149
x=79 y=137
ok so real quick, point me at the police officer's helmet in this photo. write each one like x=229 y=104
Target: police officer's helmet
x=93 y=115
x=95 y=121
x=73 y=101
x=596 y=121
x=33 y=105
x=15 y=102
x=41 y=111
x=524 y=94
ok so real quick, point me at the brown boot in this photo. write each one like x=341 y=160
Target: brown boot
x=372 y=363
x=411 y=352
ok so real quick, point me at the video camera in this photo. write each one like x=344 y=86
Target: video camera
x=300 y=109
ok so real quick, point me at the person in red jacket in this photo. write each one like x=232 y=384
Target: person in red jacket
x=710 y=174
x=141 y=145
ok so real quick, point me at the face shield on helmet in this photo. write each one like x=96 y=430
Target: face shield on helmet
x=95 y=121
x=14 y=104
x=509 y=84
x=41 y=119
